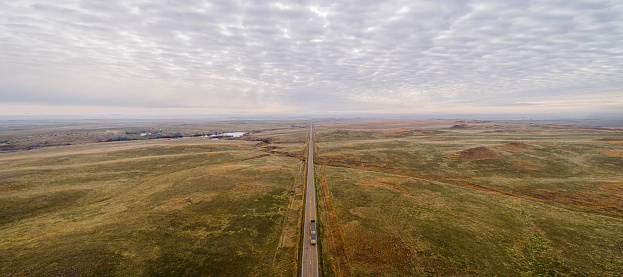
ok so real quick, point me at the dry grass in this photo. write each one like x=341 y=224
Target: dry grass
x=479 y=199
x=245 y=187
x=614 y=188
x=182 y=207
x=367 y=248
x=477 y=153
x=610 y=204
x=386 y=182
x=519 y=146
x=271 y=168
x=523 y=163
x=613 y=153
x=226 y=168
x=183 y=201
x=332 y=237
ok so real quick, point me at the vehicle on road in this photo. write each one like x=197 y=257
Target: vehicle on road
x=313 y=231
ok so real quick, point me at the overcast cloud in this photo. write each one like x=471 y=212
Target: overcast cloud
x=310 y=56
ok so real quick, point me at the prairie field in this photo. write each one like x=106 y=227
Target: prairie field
x=396 y=198
x=187 y=206
x=469 y=198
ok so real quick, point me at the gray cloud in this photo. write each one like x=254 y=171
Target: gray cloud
x=311 y=56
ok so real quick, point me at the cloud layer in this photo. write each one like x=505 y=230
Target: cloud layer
x=313 y=56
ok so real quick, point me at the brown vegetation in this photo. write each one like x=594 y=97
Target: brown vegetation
x=477 y=153
x=589 y=201
x=388 y=183
x=434 y=138
x=397 y=133
x=614 y=153
x=384 y=124
x=225 y=168
x=341 y=159
x=374 y=248
x=294 y=154
x=334 y=241
x=181 y=202
x=517 y=146
x=523 y=163
x=270 y=168
x=432 y=231
x=615 y=188
x=247 y=187
x=594 y=202
x=459 y=126
x=166 y=207
x=609 y=139
x=504 y=131
x=608 y=204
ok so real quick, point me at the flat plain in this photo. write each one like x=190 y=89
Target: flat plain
x=470 y=198
x=396 y=198
x=189 y=206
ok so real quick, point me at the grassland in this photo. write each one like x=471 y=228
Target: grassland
x=470 y=198
x=161 y=207
x=396 y=198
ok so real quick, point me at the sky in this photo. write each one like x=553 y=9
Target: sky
x=310 y=57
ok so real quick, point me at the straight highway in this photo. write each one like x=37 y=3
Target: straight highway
x=309 y=258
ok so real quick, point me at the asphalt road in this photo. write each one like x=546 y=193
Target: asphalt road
x=310 y=252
